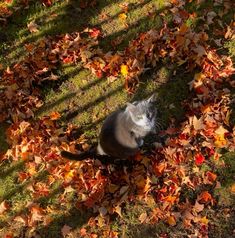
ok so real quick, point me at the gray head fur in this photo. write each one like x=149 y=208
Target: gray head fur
x=143 y=113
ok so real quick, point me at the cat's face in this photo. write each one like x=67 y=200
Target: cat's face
x=143 y=113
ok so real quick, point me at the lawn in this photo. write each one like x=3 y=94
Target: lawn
x=65 y=65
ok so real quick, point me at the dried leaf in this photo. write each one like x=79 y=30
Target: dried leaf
x=33 y=27
x=65 y=230
x=143 y=217
x=171 y=220
x=4 y=206
x=122 y=16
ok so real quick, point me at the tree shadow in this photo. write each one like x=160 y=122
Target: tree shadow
x=74 y=218
x=173 y=91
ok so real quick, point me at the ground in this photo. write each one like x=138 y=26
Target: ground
x=83 y=95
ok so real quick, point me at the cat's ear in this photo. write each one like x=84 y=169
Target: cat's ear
x=130 y=107
x=152 y=99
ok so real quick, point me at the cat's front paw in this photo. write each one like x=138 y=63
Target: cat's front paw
x=139 y=141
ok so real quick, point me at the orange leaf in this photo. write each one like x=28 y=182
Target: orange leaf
x=171 y=220
x=205 y=196
x=83 y=232
x=54 y=116
x=211 y=176
x=233 y=188
x=159 y=169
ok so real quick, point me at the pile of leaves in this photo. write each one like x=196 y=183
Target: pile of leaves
x=160 y=178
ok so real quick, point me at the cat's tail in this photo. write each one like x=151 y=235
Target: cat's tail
x=90 y=154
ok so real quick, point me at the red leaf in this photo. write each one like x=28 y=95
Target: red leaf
x=94 y=33
x=199 y=159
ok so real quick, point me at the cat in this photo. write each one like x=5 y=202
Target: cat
x=123 y=132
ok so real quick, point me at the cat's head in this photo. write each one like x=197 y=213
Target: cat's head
x=143 y=113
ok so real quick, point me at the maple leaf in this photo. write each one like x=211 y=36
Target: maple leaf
x=47 y=3
x=198 y=124
x=55 y=116
x=65 y=230
x=198 y=207
x=171 y=220
x=83 y=232
x=199 y=159
x=233 y=188
x=211 y=176
x=205 y=197
x=33 y=27
x=220 y=140
x=122 y=16
x=124 y=70
x=4 y=206
x=94 y=32
x=204 y=220
x=143 y=216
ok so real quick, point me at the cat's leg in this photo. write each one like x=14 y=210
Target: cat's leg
x=100 y=151
x=139 y=141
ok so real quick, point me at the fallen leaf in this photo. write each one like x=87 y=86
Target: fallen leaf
x=55 y=116
x=33 y=27
x=143 y=217
x=205 y=197
x=65 y=230
x=83 y=232
x=122 y=16
x=198 y=207
x=4 y=206
x=171 y=220
x=199 y=159
x=233 y=188
x=204 y=220
x=124 y=70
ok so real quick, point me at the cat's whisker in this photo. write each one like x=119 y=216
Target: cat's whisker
x=159 y=126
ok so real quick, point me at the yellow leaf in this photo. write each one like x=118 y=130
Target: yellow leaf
x=124 y=70
x=118 y=210
x=122 y=16
x=204 y=220
x=220 y=140
x=171 y=220
x=233 y=188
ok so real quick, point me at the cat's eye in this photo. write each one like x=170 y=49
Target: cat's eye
x=149 y=115
x=139 y=117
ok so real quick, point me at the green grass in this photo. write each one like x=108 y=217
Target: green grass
x=85 y=100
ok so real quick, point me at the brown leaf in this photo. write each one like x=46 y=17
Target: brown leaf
x=65 y=230
x=143 y=217
x=198 y=207
x=33 y=27
x=4 y=206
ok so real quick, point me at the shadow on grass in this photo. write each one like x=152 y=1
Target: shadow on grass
x=74 y=218
x=171 y=94
x=20 y=188
x=12 y=168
